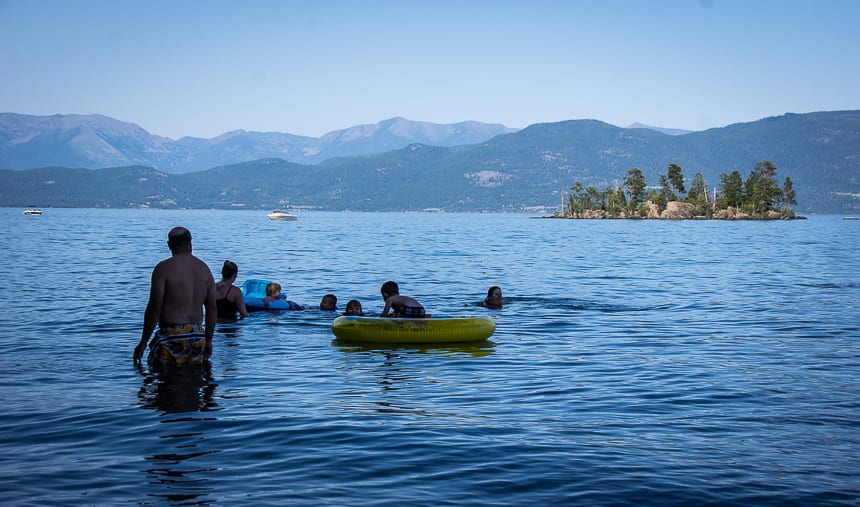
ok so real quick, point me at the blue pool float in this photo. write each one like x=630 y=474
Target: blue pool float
x=254 y=294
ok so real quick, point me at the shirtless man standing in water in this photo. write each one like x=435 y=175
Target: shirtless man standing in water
x=181 y=287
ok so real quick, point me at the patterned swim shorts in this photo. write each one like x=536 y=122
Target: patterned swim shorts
x=410 y=312
x=177 y=344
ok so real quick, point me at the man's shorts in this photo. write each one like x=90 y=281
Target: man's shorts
x=177 y=344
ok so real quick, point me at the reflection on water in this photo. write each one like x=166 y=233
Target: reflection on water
x=175 y=468
x=178 y=390
x=397 y=380
x=181 y=484
x=473 y=349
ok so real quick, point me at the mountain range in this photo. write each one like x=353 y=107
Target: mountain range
x=96 y=141
x=511 y=171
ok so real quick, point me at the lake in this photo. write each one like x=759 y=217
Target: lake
x=635 y=363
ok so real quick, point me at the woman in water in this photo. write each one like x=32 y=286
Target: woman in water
x=228 y=297
x=493 y=300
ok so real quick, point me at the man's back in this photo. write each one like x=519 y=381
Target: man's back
x=186 y=281
x=181 y=287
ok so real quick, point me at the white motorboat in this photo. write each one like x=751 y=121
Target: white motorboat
x=280 y=214
x=32 y=212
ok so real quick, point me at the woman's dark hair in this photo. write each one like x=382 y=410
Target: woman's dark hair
x=229 y=269
x=490 y=291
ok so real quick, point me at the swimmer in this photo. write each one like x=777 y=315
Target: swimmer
x=493 y=300
x=353 y=307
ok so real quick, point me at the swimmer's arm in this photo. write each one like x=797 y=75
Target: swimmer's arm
x=240 y=304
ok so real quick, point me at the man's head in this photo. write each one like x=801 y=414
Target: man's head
x=179 y=240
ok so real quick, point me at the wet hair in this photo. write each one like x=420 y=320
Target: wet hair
x=390 y=288
x=329 y=297
x=272 y=289
x=491 y=289
x=178 y=236
x=229 y=269
x=354 y=304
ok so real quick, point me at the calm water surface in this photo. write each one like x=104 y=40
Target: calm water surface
x=637 y=362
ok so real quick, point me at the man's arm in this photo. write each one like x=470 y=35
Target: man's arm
x=211 y=316
x=153 y=312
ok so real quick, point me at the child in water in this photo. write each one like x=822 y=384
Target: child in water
x=400 y=306
x=353 y=307
x=328 y=303
x=273 y=293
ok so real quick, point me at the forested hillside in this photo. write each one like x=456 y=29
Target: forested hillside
x=530 y=168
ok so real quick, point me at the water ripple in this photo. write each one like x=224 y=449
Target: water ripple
x=636 y=363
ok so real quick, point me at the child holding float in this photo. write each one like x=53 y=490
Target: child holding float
x=400 y=306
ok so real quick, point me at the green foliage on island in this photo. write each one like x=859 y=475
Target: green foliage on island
x=759 y=196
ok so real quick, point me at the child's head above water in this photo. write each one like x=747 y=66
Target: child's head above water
x=328 y=302
x=273 y=290
x=353 y=307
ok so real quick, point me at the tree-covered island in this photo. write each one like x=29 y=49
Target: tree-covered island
x=759 y=197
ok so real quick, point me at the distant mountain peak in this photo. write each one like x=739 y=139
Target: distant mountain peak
x=517 y=171
x=95 y=141
x=664 y=130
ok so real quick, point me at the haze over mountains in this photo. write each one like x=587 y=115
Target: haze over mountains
x=671 y=132
x=96 y=141
x=402 y=165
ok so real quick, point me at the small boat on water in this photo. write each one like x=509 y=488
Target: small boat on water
x=32 y=212
x=280 y=214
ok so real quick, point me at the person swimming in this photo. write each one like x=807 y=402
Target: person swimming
x=273 y=293
x=328 y=303
x=493 y=300
x=353 y=307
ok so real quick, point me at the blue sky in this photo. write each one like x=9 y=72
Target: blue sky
x=179 y=68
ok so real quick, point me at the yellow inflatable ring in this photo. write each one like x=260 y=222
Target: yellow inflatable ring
x=431 y=330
